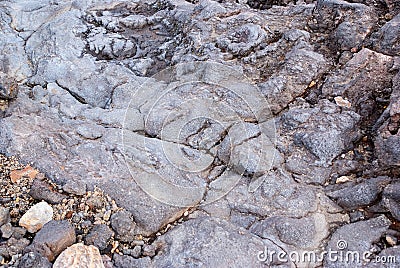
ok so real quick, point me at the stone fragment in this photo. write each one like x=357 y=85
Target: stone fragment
x=209 y=242
x=123 y=224
x=28 y=171
x=303 y=233
x=79 y=256
x=276 y=196
x=356 y=237
x=128 y=261
x=387 y=140
x=6 y=230
x=13 y=246
x=42 y=190
x=18 y=232
x=342 y=102
x=366 y=75
x=52 y=239
x=391 y=199
x=352 y=196
x=107 y=261
x=387 y=39
x=99 y=236
x=4 y=215
x=34 y=260
x=75 y=187
x=134 y=252
x=347 y=24
x=149 y=250
x=315 y=137
x=38 y=215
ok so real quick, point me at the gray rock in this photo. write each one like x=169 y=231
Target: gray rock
x=391 y=199
x=18 y=232
x=6 y=230
x=387 y=40
x=276 y=196
x=352 y=196
x=75 y=187
x=301 y=66
x=347 y=24
x=128 y=261
x=387 y=140
x=242 y=219
x=52 y=239
x=40 y=190
x=13 y=246
x=315 y=137
x=363 y=77
x=242 y=40
x=34 y=260
x=99 y=236
x=304 y=233
x=124 y=226
x=107 y=262
x=324 y=139
x=89 y=112
x=209 y=242
x=388 y=258
x=4 y=215
x=134 y=252
x=358 y=236
x=149 y=250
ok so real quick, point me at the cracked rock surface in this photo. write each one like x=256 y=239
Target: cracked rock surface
x=172 y=133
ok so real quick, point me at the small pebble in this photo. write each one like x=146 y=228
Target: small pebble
x=6 y=230
x=149 y=250
x=391 y=240
x=4 y=215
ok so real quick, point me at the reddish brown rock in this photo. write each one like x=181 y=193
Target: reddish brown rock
x=52 y=239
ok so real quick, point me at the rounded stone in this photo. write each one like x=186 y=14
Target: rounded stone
x=79 y=256
x=38 y=215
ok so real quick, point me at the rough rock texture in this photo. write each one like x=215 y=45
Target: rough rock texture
x=4 y=216
x=37 y=216
x=42 y=191
x=351 y=196
x=318 y=135
x=34 y=260
x=391 y=199
x=347 y=24
x=217 y=242
x=350 y=82
x=79 y=256
x=219 y=128
x=13 y=246
x=358 y=237
x=128 y=261
x=124 y=226
x=387 y=40
x=99 y=236
x=75 y=187
x=52 y=239
x=388 y=138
